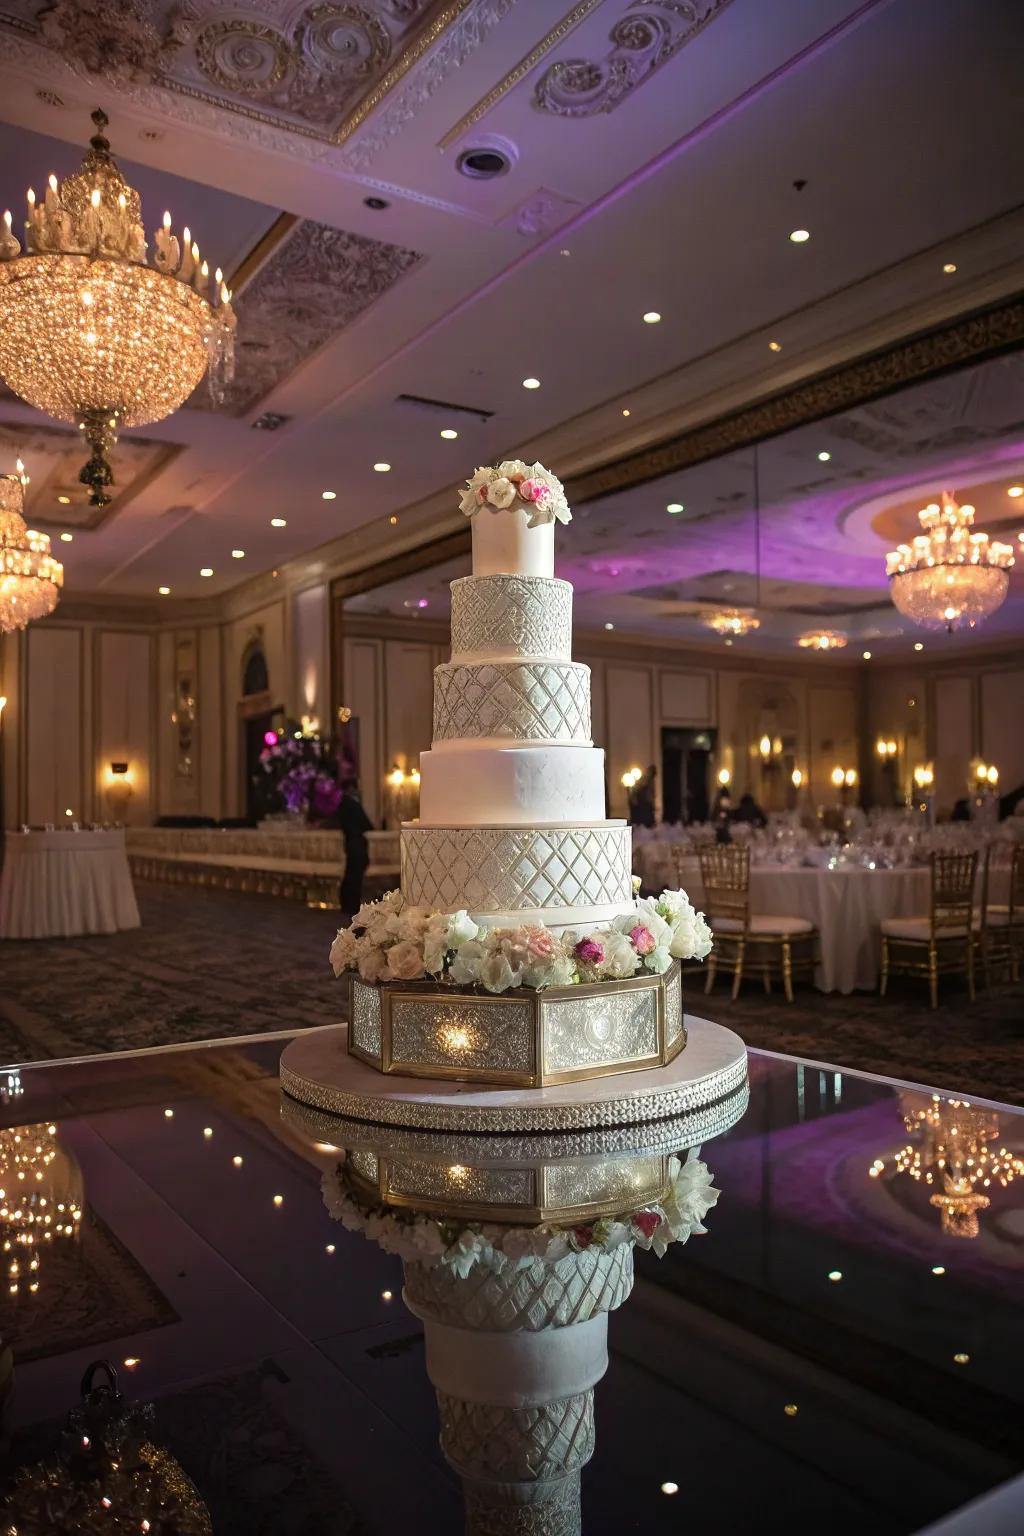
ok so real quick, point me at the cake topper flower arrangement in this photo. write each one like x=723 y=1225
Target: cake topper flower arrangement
x=514 y=485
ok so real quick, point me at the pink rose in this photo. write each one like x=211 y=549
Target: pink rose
x=647 y=1222
x=590 y=952
x=642 y=940
x=583 y=1236
x=539 y=944
x=535 y=490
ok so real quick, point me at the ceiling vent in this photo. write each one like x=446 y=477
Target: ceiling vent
x=443 y=408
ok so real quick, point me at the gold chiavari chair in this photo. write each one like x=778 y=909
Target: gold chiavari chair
x=940 y=942
x=1010 y=914
x=992 y=932
x=773 y=945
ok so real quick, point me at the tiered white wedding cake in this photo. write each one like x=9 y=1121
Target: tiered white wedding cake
x=516 y=950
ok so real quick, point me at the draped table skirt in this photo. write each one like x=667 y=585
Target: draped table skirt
x=57 y=884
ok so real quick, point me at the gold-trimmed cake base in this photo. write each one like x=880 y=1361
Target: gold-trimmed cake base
x=317 y=1069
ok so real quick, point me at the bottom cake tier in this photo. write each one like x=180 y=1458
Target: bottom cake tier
x=522 y=1037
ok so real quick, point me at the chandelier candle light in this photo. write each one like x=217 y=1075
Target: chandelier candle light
x=93 y=333
x=822 y=640
x=732 y=621
x=949 y=576
x=30 y=578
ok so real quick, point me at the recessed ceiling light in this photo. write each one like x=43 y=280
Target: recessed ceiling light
x=625 y=412
x=278 y=522
x=565 y=251
x=824 y=456
x=798 y=236
x=918 y=645
x=675 y=506
x=65 y=501
x=775 y=346
x=376 y=203
x=867 y=655
x=790 y=1410
x=728 y=640
x=483 y=164
x=382 y=467
x=164 y=591
x=961 y=1359
x=938 y=1269
x=66 y=538
x=328 y=495
x=949 y=268
x=393 y=519
x=531 y=383
x=651 y=317
x=1015 y=490
x=238 y=554
x=449 y=434
x=609 y=624
x=670 y=1488
x=835 y=1274
x=207 y=570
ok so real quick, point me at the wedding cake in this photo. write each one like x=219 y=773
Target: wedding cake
x=516 y=950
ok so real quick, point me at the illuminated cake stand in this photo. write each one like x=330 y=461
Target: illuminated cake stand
x=317 y=1069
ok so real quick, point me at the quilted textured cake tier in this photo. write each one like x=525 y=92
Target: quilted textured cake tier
x=505 y=870
x=512 y=700
x=504 y=617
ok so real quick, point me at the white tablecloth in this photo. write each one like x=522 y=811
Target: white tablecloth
x=56 y=884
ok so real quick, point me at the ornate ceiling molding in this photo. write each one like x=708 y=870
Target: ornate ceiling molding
x=53 y=455
x=316 y=282
x=969 y=339
x=303 y=83
x=648 y=35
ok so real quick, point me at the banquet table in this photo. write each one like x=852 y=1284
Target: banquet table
x=56 y=884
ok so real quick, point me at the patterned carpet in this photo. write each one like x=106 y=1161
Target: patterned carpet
x=211 y=964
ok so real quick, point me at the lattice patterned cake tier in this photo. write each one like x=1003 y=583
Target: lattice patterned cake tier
x=523 y=1037
x=512 y=615
x=519 y=701
x=516 y=869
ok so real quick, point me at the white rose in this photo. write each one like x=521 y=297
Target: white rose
x=673 y=905
x=496 y=974
x=658 y=960
x=692 y=939
x=373 y=965
x=620 y=958
x=514 y=467
x=461 y=928
x=560 y=972
x=343 y=951
x=405 y=961
x=501 y=493
x=465 y=967
x=435 y=947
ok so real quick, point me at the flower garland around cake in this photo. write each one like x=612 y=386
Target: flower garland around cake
x=391 y=941
x=460 y=1246
x=514 y=486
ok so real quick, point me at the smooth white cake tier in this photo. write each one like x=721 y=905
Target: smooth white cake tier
x=516 y=700
x=509 y=869
x=473 y=784
x=496 y=618
x=503 y=544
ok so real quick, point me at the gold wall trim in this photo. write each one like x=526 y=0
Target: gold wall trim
x=518 y=72
x=400 y=68
x=970 y=339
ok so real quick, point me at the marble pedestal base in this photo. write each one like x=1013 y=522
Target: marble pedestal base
x=317 y=1069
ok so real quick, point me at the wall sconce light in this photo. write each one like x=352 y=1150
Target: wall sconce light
x=310 y=725
x=119 y=787
x=838 y=777
x=3 y=701
x=924 y=776
x=724 y=777
x=797 y=778
x=764 y=746
x=631 y=777
x=850 y=777
x=886 y=750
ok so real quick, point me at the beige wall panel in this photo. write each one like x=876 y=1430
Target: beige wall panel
x=364 y=697
x=953 y=738
x=687 y=698
x=630 y=739
x=312 y=683
x=833 y=735
x=1002 y=725
x=409 y=675
x=53 y=724
x=211 y=725
x=124 y=719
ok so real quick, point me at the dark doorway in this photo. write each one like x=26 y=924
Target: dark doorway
x=256 y=728
x=685 y=764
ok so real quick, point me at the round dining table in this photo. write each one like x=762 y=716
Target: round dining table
x=846 y=905
x=58 y=884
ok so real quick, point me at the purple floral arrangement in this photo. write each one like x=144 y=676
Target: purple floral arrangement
x=303 y=774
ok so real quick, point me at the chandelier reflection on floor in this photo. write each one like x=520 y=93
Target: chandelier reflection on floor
x=40 y=1201
x=949 y=577
x=30 y=578
x=91 y=333
x=732 y=621
x=953 y=1150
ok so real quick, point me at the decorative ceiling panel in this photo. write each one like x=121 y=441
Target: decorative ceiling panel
x=316 y=282
x=309 y=67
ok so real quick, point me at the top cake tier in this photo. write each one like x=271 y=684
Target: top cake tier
x=505 y=545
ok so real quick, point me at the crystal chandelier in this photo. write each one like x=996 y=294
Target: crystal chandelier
x=732 y=621
x=822 y=640
x=954 y=1150
x=949 y=576
x=30 y=578
x=90 y=332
